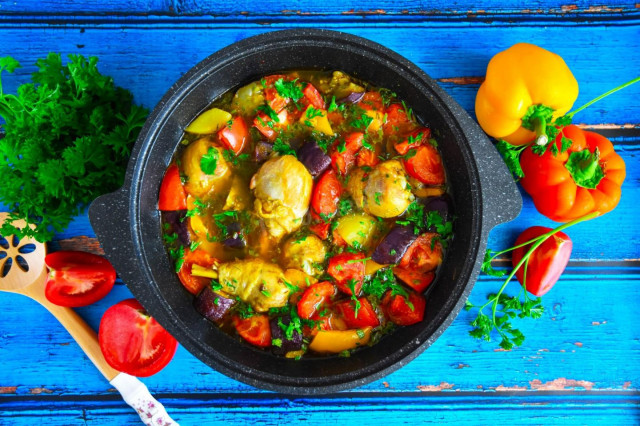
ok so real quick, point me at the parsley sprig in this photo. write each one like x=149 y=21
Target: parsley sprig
x=504 y=308
x=68 y=136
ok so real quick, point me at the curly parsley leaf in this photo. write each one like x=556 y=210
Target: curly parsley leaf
x=511 y=156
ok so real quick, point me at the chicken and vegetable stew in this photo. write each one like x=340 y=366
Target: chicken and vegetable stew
x=307 y=212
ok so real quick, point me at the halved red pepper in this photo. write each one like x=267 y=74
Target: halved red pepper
x=172 y=194
x=233 y=137
x=363 y=316
x=404 y=310
x=313 y=297
x=348 y=271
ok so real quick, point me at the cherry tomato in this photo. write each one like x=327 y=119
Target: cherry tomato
x=255 y=329
x=426 y=165
x=348 y=271
x=197 y=257
x=314 y=97
x=234 y=137
x=368 y=157
x=313 y=297
x=364 y=317
x=133 y=342
x=326 y=196
x=172 y=194
x=402 y=310
x=77 y=278
x=546 y=263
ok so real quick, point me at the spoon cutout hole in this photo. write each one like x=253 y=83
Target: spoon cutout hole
x=4 y=243
x=6 y=268
x=27 y=248
x=15 y=241
x=22 y=263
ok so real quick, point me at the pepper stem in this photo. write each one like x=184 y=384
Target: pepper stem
x=540 y=127
x=604 y=95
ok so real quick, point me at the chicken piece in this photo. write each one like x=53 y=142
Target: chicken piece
x=200 y=183
x=355 y=186
x=282 y=187
x=304 y=253
x=255 y=281
x=387 y=192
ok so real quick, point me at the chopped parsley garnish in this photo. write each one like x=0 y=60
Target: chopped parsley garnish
x=313 y=113
x=376 y=197
x=276 y=342
x=288 y=89
x=362 y=123
x=209 y=161
x=232 y=158
x=283 y=148
x=270 y=112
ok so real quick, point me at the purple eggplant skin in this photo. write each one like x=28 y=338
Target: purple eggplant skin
x=288 y=345
x=262 y=151
x=313 y=158
x=442 y=205
x=212 y=305
x=177 y=224
x=352 y=98
x=236 y=240
x=394 y=245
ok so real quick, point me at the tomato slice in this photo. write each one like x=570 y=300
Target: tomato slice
x=426 y=166
x=197 y=257
x=172 y=194
x=326 y=196
x=364 y=317
x=402 y=310
x=314 y=97
x=313 y=297
x=546 y=263
x=348 y=271
x=133 y=342
x=418 y=138
x=343 y=157
x=255 y=329
x=77 y=278
x=234 y=137
x=423 y=255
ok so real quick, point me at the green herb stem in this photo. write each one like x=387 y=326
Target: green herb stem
x=604 y=95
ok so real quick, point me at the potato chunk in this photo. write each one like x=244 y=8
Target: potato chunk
x=282 y=188
x=386 y=192
x=199 y=182
x=255 y=281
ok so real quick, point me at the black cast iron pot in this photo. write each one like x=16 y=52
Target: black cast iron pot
x=127 y=222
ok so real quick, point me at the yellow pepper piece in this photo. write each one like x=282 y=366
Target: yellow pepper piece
x=517 y=78
x=336 y=341
x=209 y=121
x=317 y=119
x=371 y=267
x=376 y=123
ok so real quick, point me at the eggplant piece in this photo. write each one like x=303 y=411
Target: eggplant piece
x=313 y=158
x=236 y=240
x=394 y=245
x=212 y=305
x=442 y=205
x=288 y=345
x=178 y=225
x=262 y=151
x=352 y=98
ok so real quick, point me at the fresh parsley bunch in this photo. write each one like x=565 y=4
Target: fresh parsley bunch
x=67 y=139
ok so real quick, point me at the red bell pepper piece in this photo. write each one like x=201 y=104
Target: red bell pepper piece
x=348 y=271
x=313 y=297
x=314 y=97
x=255 y=329
x=426 y=165
x=172 y=194
x=363 y=316
x=326 y=196
x=404 y=310
x=344 y=156
x=234 y=137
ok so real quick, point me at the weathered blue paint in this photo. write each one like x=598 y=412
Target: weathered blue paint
x=580 y=363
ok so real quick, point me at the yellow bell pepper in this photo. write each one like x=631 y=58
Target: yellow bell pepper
x=317 y=120
x=336 y=341
x=526 y=87
x=209 y=121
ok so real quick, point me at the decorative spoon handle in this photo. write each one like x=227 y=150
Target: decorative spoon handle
x=136 y=394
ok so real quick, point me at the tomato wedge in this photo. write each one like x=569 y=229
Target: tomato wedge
x=314 y=97
x=326 y=196
x=77 y=278
x=397 y=120
x=255 y=329
x=413 y=141
x=320 y=229
x=546 y=263
x=313 y=297
x=423 y=255
x=344 y=156
x=426 y=166
x=348 y=271
x=133 y=342
x=364 y=317
x=172 y=194
x=234 y=137
x=402 y=310
x=191 y=282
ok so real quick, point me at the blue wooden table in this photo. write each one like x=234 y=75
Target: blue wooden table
x=580 y=362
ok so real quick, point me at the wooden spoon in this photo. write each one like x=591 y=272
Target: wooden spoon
x=23 y=271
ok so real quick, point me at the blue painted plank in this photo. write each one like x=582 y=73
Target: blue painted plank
x=577 y=344
x=132 y=55
x=302 y=7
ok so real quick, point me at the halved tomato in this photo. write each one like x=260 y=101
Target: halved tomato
x=133 y=342
x=77 y=278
